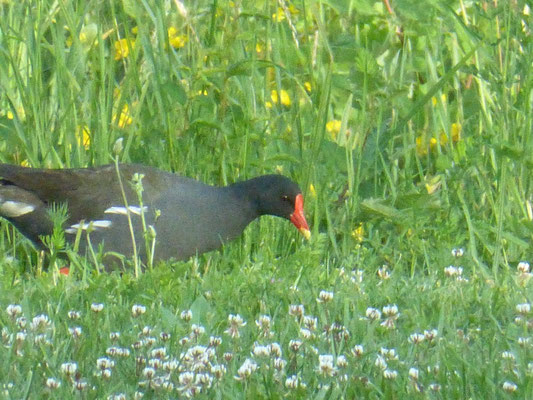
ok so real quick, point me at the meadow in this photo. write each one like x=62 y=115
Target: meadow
x=408 y=126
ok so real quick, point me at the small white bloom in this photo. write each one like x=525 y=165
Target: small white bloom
x=186 y=315
x=390 y=374
x=523 y=267
x=296 y=310
x=137 y=310
x=246 y=369
x=69 y=368
x=97 y=307
x=53 y=383
x=524 y=308
x=373 y=314
x=324 y=296
x=413 y=373
x=13 y=310
x=357 y=350
x=509 y=386
x=325 y=365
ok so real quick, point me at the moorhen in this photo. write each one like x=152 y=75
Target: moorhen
x=189 y=217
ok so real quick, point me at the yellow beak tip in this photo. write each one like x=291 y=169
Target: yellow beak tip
x=306 y=233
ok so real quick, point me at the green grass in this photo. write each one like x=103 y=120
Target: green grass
x=431 y=151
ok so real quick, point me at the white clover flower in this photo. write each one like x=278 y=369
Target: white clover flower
x=279 y=364
x=72 y=314
x=259 y=350
x=215 y=341
x=137 y=310
x=148 y=372
x=155 y=363
x=306 y=333
x=453 y=272
x=310 y=322
x=186 y=315
x=160 y=352
x=13 y=310
x=324 y=296
x=342 y=362
x=105 y=363
x=20 y=337
x=509 y=386
x=357 y=350
x=373 y=314
x=69 y=368
x=524 y=341
x=430 y=334
x=53 y=383
x=383 y=272
x=164 y=336
x=325 y=365
x=390 y=374
x=390 y=310
x=97 y=307
x=218 y=370
x=75 y=331
x=524 y=308
x=294 y=382
x=435 y=387
x=416 y=338
x=80 y=385
x=21 y=322
x=114 y=336
x=197 y=331
x=275 y=349
x=117 y=396
x=507 y=355
x=380 y=363
x=458 y=252
x=196 y=358
x=413 y=373
x=246 y=369
x=523 y=267
x=389 y=354
x=40 y=322
x=295 y=345
x=235 y=322
x=296 y=310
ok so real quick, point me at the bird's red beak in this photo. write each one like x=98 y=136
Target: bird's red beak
x=298 y=217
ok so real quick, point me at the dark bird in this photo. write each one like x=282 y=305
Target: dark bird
x=188 y=217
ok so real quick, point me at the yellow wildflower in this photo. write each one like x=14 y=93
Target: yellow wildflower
x=279 y=15
x=312 y=190
x=124 y=118
x=434 y=100
x=175 y=40
x=123 y=48
x=135 y=30
x=456 y=131
x=307 y=86
x=10 y=114
x=282 y=98
x=83 y=134
x=421 y=147
x=358 y=233
x=259 y=48
x=433 y=184
x=333 y=127
x=25 y=163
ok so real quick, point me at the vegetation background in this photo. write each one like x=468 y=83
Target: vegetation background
x=407 y=123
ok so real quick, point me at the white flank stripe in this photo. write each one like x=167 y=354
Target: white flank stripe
x=13 y=209
x=97 y=224
x=124 y=211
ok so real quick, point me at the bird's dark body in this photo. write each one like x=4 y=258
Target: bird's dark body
x=192 y=217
